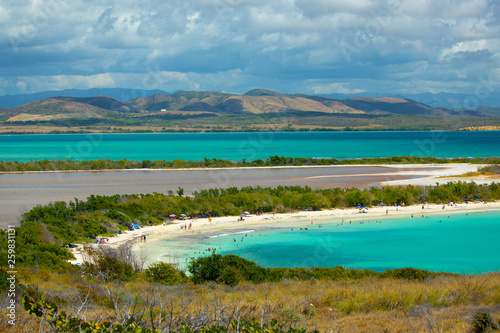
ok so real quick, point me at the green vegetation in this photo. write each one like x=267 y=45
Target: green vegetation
x=490 y=169
x=46 y=229
x=232 y=270
x=72 y=302
x=164 y=273
x=105 y=164
x=114 y=292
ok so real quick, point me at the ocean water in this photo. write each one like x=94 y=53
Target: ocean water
x=238 y=146
x=457 y=243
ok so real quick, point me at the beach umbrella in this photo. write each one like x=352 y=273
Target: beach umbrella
x=183 y=215
x=172 y=215
x=247 y=213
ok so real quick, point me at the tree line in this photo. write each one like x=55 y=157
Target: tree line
x=107 y=164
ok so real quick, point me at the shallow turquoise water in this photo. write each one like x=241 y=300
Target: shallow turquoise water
x=238 y=146
x=459 y=243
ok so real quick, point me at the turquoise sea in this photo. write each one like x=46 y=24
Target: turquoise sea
x=238 y=146
x=457 y=243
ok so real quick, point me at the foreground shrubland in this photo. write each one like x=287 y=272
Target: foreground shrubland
x=114 y=292
x=446 y=303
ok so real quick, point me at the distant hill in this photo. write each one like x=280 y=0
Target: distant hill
x=442 y=99
x=67 y=107
x=178 y=100
x=262 y=101
x=263 y=92
x=121 y=94
x=103 y=102
x=202 y=109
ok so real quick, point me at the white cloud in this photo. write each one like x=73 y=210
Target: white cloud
x=280 y=44
x=21 y=85
x=4 y=14
x=340 y=88
x=153 y=79
x=470 y=46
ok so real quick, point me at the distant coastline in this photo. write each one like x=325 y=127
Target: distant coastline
x=33 y=129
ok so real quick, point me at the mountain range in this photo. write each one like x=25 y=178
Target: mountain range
x=441 y=99
x=259 y=106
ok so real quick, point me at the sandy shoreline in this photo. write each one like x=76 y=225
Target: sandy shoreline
x=227 y=223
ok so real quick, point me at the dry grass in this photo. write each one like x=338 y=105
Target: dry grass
x=444 y=304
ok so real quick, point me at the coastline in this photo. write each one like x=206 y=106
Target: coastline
x=202 y=226
x=454 y=167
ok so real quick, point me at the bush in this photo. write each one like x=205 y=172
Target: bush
x=109 y=266
x=4 y=283
x=408 y=273
x=229 y=269
x=482 y=322
x=205 y=268
x=164 y=273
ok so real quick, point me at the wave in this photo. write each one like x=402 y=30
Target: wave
x=236 y=233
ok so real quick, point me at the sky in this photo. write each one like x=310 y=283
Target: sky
x=391 y=47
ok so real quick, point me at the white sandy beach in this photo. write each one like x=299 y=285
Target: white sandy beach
x=172 y=230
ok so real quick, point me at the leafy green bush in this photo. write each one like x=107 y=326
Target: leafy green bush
x=35 y=247
x=228 y=269
x=164 y=273
x=110 y=268
x=408 y=273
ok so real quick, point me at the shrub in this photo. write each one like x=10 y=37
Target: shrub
x=110 y=265
x=113 y=269
x=408 y=273
x=482 y=322
x=4 y=283
x=229 y=269
x=164 y=273
x=205 y=268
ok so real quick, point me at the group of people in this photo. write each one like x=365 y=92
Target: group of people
x=186 y=227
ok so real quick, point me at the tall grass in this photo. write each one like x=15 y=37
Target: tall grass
x=442 y=304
